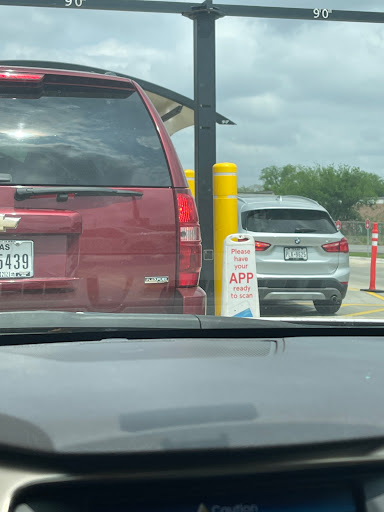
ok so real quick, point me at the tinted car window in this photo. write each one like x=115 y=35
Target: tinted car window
x=288 y=221
x=83 y=141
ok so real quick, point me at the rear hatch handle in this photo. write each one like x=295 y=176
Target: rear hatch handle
x=62 y=193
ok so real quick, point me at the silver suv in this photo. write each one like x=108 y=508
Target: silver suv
x=300 y=254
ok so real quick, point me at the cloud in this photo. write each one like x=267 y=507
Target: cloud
x=312 y=97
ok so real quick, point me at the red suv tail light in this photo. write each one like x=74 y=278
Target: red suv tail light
x=341 y=246
x=261 y=246
x=9 y=75
x=190 y=251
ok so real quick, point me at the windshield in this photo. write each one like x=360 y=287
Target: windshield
x=238 y=175
x=191 y=247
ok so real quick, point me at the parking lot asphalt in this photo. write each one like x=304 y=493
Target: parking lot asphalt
x=357 y=303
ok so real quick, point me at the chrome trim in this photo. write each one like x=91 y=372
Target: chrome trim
x=8 y=222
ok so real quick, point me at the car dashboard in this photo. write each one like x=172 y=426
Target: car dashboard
x=308 y=480
x=214 y=420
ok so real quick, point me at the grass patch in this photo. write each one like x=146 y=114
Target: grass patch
x=364 y=255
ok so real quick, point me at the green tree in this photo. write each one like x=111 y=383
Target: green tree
x=341 y=190
x=250 y=189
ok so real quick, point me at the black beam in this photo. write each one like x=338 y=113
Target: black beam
x=107 y=5
x=301 y=14
x=204 y=19
x=160 y=6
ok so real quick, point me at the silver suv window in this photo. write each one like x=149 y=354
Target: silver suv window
x=288 y=221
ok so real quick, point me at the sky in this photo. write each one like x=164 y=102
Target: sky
x=300 y=92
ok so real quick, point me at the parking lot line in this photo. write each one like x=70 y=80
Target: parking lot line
x=360 y=305
x=364 y=312
x=376 y=295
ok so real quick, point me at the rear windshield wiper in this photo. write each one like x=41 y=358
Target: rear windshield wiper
x=305 y=230
x=62 y=193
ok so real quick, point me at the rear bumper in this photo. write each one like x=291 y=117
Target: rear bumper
x=301 y=289
x=191 y=301
x=83 y=295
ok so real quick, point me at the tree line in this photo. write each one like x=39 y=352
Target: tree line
x=342 y=190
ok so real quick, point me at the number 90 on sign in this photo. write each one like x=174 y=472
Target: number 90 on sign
x=321 y=13
x=74 y=3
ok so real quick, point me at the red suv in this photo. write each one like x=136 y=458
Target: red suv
x=95 y=211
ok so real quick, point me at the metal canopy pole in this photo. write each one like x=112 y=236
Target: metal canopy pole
x=204 y=18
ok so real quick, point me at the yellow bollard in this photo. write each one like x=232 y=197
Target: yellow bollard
x=190 y=175
x=224 y=218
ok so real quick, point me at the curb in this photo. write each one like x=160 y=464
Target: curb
x=362 y=258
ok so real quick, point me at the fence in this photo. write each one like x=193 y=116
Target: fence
x=357 y=234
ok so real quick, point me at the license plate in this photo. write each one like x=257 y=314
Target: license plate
x=295 y=253
x=16 y=259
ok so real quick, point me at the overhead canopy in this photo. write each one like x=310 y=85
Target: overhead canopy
x=176 y=110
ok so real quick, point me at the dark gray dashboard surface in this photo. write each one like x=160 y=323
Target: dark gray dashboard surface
x=132 y=396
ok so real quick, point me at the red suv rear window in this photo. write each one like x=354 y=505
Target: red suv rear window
x=79 y=134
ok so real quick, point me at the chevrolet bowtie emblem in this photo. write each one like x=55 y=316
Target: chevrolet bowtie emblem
x=8 y=222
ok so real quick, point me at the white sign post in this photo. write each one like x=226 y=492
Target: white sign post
x=367 y=227
x=240 y=294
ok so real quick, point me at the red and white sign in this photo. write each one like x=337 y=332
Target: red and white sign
x=338 y=224
x=240 y=294
x=367 y=224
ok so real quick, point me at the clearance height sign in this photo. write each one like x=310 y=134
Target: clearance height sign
x=240 y=295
